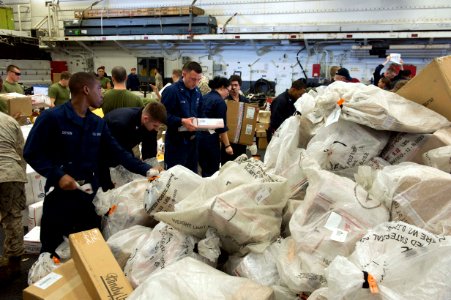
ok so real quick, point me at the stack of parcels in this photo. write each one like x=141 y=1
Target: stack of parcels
x=351 y=202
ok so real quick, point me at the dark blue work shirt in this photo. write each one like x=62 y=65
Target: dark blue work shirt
x=132 y=82
x=125 y=125
x=61 y=142
x=180 y=102
x=282 y=107
x=214 y=106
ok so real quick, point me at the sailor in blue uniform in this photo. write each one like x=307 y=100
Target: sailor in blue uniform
x=183 y=102
x=214 y=106
x=65 y=145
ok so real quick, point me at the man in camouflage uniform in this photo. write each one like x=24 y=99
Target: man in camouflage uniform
x=12 y=195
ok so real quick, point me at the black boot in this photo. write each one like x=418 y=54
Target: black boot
x=9 y=267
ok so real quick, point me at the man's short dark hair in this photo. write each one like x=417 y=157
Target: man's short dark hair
x=65 y=75
x=218 y=82
x=11 y=68
x=101 y=68
x=236 y=78
x=78 y=80
x=119 y=74
x=157 y=111
x=192 y=66
x=299 y=84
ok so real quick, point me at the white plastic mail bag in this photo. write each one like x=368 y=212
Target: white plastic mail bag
x=379 y=109
x=439 y=158
x=125 y=242
x=404 y=261
x=171 y=187
x=164 y=246
x=345 y=145
x=242 y=202
x=192 y=279
x=415 y=194
x=283 y=155
x=123 y=207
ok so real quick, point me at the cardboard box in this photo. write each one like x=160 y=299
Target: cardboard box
x=56 y=77
x=209 y=123
x=32 y=241
x=63 y=283
x=432 y=86
x=262 y=143
x=35 y=187
x=264 y=116
x=97 y=266
x=261 y=126
x=35 y=214
x=17 y=103
x=241 y=121
x=205 y=124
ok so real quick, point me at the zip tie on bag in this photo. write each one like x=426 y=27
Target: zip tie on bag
x=370 y=282
x=340 y=102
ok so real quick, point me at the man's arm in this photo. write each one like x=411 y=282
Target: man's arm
x=52 y=95
x=121 y=155
x=169 y=99
x=149 y=144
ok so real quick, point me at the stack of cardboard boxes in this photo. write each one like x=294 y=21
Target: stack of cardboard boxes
x=262 y=126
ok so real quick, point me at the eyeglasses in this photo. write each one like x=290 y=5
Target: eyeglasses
x=17 y=73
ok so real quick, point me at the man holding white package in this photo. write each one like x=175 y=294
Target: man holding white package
x=183 y=102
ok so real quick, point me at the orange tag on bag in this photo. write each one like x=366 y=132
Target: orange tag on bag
x=112 y=210
x=56 y=260
x=373 y=284
x=340 y=102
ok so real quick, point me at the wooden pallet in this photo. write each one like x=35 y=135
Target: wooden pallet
x=139 y=12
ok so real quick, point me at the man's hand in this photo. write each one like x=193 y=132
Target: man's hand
x=387 y=60
x=188 y=124
x=67 y=183
x=229 y=150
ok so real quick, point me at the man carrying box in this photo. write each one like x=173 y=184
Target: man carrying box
x=11 y=84
x=12 y=195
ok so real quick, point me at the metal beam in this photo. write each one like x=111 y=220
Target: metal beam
x=86 y=47
x=122 y=47
x=261 y=36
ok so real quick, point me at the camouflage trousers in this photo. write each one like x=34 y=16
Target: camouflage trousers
x=12 y=202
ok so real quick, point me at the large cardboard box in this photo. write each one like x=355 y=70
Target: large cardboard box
x=17 y=103
x=432 y=86
x=63 y=283
x=97 y=266
x=241 y=121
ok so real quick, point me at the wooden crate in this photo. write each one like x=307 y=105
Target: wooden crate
x=140 y=12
